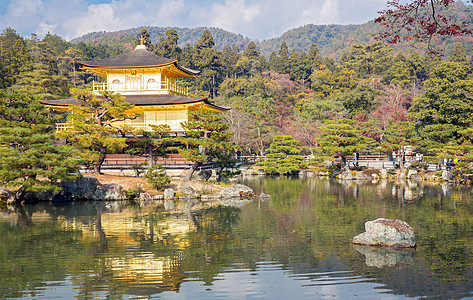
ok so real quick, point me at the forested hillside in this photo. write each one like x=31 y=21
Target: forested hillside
x=186 y=36
x=332 y=40
x=370 y=93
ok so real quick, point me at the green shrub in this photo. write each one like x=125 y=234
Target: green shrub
x=138 y=169
x=157 y=177
x=371 y=172
x=283 y=157
x=134 y=193
x=418 y=166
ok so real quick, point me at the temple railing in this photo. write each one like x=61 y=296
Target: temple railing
x=144 y=126
x=164 y=88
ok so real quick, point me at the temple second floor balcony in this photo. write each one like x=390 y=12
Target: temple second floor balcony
x=141 y=88
x=137 y=127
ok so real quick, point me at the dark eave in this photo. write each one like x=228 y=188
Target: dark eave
x=142 y=100
x=138 y=58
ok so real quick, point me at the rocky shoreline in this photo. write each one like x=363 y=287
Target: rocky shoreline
x=113 y=188
x=89 y=187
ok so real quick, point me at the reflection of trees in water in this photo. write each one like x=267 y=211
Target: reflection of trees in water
x=306 y=226
x=331 y=213
x=34 y=250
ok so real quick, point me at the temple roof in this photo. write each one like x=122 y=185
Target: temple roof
x=143 y=100
x=138 y=58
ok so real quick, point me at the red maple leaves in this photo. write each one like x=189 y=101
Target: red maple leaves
x=419 y=20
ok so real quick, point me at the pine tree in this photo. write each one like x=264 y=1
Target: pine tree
x=206 y=41
x=283 y=156
x=168 y=46
x=249 y=63
x=398 y=135
x=341 y=138
x=30 y=157
x=458 y=54
x=207 y=59
x=89 y=126
x=13 y=55
x=207 y=138
x=314 y=56
x=41 y=77
x=283 y=55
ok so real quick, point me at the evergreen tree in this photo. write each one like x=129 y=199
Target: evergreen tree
x=207 y=138
x=399 y=71
x=369 y=60
x=398 y=135
x=168 y=46
x=249 y=63
x=230 y=57
x=458 y=54
x=283 y=55
x=41 y=77
x=445 y=110
x=30 y=157
x=314 y=56
x=340 y=139
x=300 y=68
x=207 y=59
x=206 y=41
x=90 y=125
x=447 y=98
x=357 y=101
x=13 y=55
x=57 y=44
x=283 y=156
x=417 y=69
x=274 y=62
x=68 y=67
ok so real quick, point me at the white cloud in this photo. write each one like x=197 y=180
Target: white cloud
x=98 y=17
x=44 y=28
x=258 y=19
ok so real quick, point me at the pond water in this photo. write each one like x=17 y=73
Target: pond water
x=294 y=245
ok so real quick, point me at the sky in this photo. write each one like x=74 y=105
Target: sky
x=256 y=19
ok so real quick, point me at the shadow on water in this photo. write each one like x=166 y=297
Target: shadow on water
x=118 y=249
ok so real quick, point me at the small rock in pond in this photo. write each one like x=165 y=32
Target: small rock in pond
x=387 y=232
x=168 y=194
x=264 y=196
x=236 y=190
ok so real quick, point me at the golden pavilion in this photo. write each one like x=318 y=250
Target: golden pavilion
x=150 y=83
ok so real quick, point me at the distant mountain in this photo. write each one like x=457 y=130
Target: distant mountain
x=332 y=40
x=186 y=36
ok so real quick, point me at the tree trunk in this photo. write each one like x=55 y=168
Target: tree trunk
x=401 y=160
x=150 y=156
x=343 y=162
x=99 y=162
x=191 y=171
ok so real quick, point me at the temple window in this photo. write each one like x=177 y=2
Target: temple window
x=152 y=84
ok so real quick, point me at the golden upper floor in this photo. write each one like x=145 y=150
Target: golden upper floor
x=139 y=72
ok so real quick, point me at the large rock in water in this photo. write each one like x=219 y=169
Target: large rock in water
x=236 y=190
x=83 y=188
x=362 y=177
x=446 y=175
x=347 y=175
x=110 y=191
x=5 y=194
x=387 y=232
